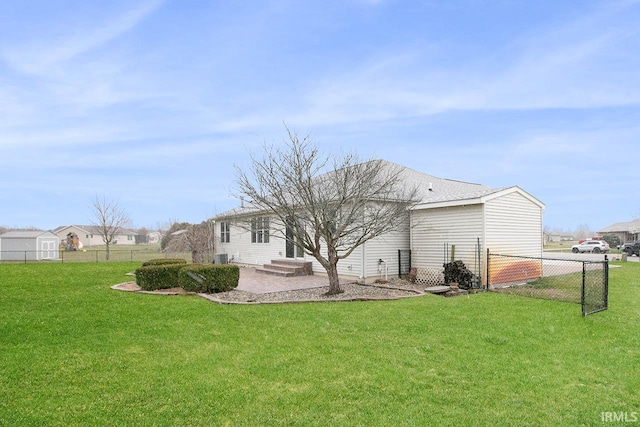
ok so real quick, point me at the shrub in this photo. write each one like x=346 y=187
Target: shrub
x=613 y=240
x=209 y=278
x=154 y=277
x=457 y=272
x=164 y=261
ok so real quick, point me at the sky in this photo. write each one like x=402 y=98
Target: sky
x=154 y=104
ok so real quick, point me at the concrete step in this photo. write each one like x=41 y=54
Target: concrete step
x=266 y=269
x=287 y=268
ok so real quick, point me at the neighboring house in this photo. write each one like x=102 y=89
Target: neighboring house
x=154 y=237
x=89 y=235
x=626 y=231
x=560 y=238
x=28 y=246
x=471 y=217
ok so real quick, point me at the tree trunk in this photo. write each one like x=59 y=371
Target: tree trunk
x=107 y=254
x=334 y=280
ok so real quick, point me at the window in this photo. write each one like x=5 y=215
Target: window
x=224 y=232
x=260 y=230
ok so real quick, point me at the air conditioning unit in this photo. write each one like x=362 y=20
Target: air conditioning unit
x=221 y=259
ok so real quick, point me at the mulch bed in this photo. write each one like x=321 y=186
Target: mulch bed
x=351 y=292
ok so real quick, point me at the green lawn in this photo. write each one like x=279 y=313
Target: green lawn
x=74 y=352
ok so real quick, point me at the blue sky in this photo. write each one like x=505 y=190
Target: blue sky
x=152 y=103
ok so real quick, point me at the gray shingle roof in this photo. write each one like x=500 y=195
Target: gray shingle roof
x=95 y=229
x=622 y=227
x=431 y=189
x=24 y=234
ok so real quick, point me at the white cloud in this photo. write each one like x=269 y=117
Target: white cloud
x=588 y=63
x=41 y=56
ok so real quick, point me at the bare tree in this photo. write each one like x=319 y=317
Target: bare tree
x=142 y=236
x=583 y=231
x=109 y=219
x=194 y=238
x=335 y=203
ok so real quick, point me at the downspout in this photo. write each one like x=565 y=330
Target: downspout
x=363 y=272
x=484 y=281
x=362 y=264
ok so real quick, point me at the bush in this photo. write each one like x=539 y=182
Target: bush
x=209 y=278
x=613 y=240
x=164 y=261
x=154 y=277
x=457 y=272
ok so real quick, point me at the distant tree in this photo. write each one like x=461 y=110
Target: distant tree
x=109 y=219
x=142 y=236
x=169 y=235
x=583 y=232
x=329 y=205
x=194 y=238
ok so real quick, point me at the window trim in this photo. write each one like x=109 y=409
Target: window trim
x=260 y=229
x=225 y=232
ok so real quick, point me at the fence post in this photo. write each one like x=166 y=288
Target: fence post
x=605 y=290
x=488 y=275
x=584 y=275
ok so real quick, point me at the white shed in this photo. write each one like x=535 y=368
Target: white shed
x=506 y=221
x=29 y=246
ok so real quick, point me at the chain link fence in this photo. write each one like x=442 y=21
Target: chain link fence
x=575 y=281
x=430 y=270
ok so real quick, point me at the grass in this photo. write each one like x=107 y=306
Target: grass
x=123 y=253
x=74 y=352
x=566 y=287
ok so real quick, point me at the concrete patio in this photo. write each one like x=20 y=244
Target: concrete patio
x=259 y=283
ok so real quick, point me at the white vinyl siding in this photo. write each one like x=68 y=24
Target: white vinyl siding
x=386 y=248
x=513 y=226
x=434 y=231
x=240 y=249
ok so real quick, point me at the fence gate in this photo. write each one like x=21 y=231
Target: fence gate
x=595 y=287
x=577 y=281
x=404 y=262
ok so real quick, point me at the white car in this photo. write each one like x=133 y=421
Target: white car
x=595 y=246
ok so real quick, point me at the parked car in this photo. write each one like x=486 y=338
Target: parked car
x=595 y=246
x=631 y=248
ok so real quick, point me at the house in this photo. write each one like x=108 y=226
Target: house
x=626 y=231
x=89 y=235
x=29 y=246
x=154 y=237
x=551 y=238
x=452 y=218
